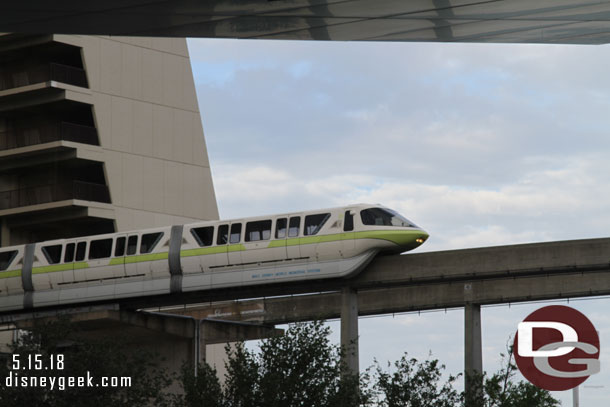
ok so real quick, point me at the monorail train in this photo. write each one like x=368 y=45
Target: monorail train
x=327 y=243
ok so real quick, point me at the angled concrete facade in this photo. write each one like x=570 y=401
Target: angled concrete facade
x=98 y=134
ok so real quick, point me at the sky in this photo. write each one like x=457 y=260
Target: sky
x=479 y=144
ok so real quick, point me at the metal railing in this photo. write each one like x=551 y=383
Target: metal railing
x=14 y=78
x=85 y=191
x=28 y=136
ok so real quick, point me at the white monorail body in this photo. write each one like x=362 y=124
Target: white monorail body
x=326 y=243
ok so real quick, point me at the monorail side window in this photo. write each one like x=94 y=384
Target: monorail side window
x=52 y=253
x=99 y=249
x=69 y=255
x=119 y=250
x=149 y=241
x=260 y=230
x=223 y=234
x=6 y=258
x=293 y=227
x=235 y=233
x=313 y=223
x=348 y=223
x=280 y=228
x=80 y=251
x=204 y=235
x=132 y=245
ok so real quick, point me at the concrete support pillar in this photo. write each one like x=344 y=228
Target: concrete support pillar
x=202 y=347
x=198 y=341
x=349 y=328
x=198 y=344
x=473 y=354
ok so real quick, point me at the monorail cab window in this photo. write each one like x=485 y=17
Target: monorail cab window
x=132 y=245
x=149 y=242
x=348 y=223
x=280 y=228
x=384 y=217
x=204 y=235
x=119 y=249
x=52 y=253
x=6 y=258
x=235 y=233
x=100 y=249
x=259 y=230
x=293 y=226
x=313 y=223
x=80 y=251
x=69 y=255
x=223 y=235
x=75 y=252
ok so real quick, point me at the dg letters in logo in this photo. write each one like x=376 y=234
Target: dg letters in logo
x=557 y=348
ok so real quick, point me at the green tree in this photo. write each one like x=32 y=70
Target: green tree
x=303 y=368
x=242 y=378
x=96 y=358
x=299 y=368
x=501 y=390
x=415 y=384
x=201 y=390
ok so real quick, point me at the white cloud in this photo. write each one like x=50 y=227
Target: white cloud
x=479 y=144
x=545 y=204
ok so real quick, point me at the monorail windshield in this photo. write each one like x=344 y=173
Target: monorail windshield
x=384 y=217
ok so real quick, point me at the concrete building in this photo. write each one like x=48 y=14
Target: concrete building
x=101 y=134
x=98 y=134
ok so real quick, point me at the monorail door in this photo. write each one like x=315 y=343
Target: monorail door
x=99 y=253
x=118 y=254
x=235 y=247
x=131 y=255
x=293 y=248
x=348 y=246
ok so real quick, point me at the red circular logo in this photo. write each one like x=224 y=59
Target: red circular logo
x=557 y=348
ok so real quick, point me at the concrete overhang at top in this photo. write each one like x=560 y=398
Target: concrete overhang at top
x=513 y=21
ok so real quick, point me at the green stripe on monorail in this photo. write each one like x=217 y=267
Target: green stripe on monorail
x=213 y=250
x=83 y=265
x=138 y=259
x=59 y=267
x=10 y=273
x=400 y=237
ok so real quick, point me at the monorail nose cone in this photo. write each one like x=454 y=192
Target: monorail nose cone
x=422 y=237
